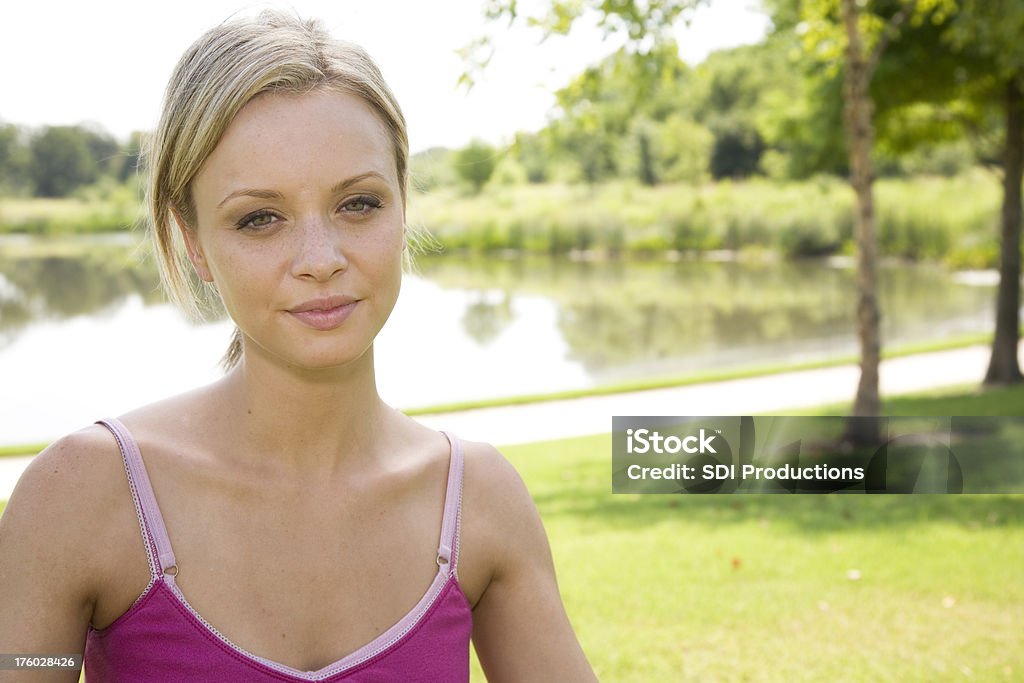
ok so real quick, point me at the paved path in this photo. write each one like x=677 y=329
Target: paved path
x=593 y=415
x=784 y=391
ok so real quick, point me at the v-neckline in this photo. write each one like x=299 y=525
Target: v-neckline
x=380 y=644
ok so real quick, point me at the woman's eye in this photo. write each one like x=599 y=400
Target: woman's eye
x=260 y=219
x=362 y=205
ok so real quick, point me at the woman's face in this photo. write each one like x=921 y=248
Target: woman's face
x=300 y=226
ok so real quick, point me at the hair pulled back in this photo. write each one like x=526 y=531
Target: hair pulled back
x=219 y=74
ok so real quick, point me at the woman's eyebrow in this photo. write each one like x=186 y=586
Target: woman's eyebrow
x=261 y=194
x=345 y=184
x=271 y=194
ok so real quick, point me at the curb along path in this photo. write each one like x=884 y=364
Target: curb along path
x=508 y=425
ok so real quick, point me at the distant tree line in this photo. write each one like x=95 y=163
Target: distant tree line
x=55 y=161
x=762 y=109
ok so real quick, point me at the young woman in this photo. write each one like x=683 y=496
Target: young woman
x=283 y=523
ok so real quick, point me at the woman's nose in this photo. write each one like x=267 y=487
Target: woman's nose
x=319 y=254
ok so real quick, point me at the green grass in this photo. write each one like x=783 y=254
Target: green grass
x=18 y=450
x=103 y=209
x=758 y=587
x=962 y=400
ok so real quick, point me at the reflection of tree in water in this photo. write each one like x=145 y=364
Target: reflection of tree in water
x=56 y=286
x=484 y=320
x=616 y=313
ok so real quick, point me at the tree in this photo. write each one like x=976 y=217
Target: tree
x=862 y=30
x=993 y=30
x=475 y=163
x=14 y=158
x=531 y=149
x=1003 y=367
x=607 y=115
x=737 y=149
x=733 y=88
x=965 y=69
x=857 y=111
x=61 y=160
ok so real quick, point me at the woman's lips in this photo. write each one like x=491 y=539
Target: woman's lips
x=324 y=314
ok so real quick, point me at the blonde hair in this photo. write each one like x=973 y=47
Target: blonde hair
x=218 y=75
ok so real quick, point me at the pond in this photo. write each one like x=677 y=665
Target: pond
x=85 y=332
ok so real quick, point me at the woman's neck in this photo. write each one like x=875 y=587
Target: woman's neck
x=315 y=422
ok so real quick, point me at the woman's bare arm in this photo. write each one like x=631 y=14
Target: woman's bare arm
x=50 y=535
x=520 y=628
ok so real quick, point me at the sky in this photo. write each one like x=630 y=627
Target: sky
x=106 y=62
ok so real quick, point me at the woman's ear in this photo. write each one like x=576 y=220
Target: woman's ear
x=192 y=247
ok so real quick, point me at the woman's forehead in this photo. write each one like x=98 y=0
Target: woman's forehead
x=278 y=135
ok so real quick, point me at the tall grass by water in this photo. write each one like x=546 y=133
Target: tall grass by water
x=953 y=220
x=100 y=209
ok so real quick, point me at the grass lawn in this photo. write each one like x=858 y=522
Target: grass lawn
x=785 y=588
x=759 y=587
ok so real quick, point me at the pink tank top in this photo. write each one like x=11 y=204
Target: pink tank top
x=162 y=638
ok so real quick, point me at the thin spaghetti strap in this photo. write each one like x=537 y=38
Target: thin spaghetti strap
x=151 y=522
x=448 y=552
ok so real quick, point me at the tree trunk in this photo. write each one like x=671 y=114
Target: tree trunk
x=1003 y=367
x=863 y=425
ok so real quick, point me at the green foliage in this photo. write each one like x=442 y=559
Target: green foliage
x=57 y=160
x=642 y=21
x=65 y=158
x=14 y=160
x=104 y=207
x=775 y=107
x=991 y=29
x=508 y=172
x=683 y=150
x=607 y=113
x=475 y=163
x=532 y=151
x=935 y=219
x=737 y=150
x=62 y=160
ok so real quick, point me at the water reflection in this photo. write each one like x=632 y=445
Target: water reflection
x=488 y=316
x=40 y=282
x=622 y=319
x=463 y=329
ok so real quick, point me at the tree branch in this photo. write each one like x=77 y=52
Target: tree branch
x=891 y=29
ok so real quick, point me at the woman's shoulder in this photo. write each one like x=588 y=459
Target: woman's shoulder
x=76 y=470
x=69 y=501
x=499 y=512
x=82 y=474
x=490 y=471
